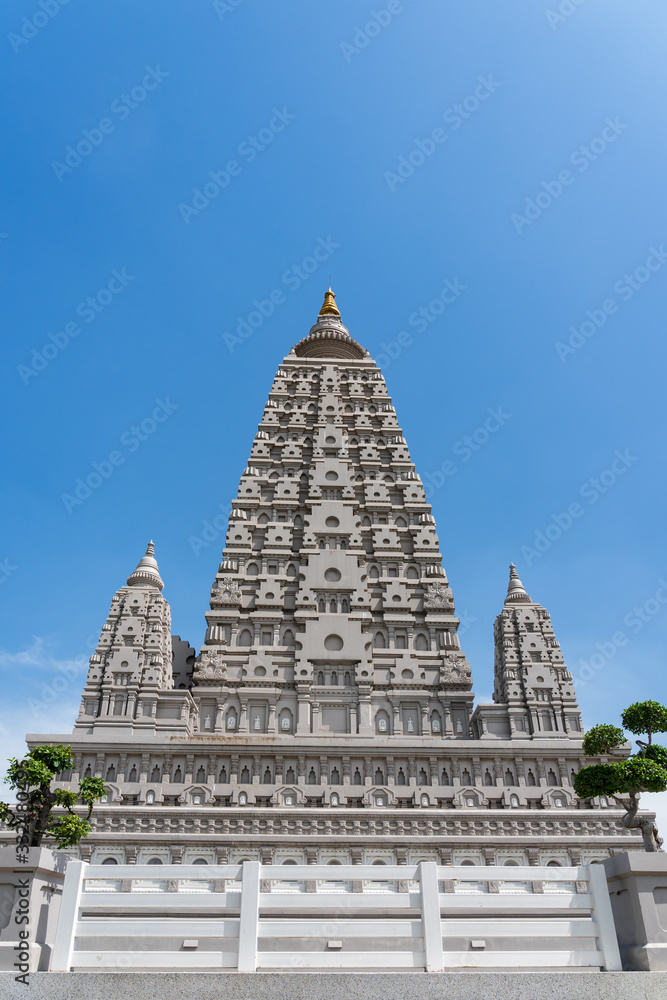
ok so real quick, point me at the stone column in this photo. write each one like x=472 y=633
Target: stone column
x=303 y=711
x=365 y=728
x=368 y=771
x=219 y=713
x=520 y=772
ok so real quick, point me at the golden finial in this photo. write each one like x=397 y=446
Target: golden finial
x=329 y=307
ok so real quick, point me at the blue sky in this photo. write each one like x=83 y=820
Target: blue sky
x=167 y=164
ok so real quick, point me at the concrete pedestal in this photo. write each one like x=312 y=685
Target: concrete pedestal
x=33 y=891
x=638 y=890
x=342 y=986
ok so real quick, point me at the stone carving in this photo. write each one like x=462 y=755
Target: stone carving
x=210 y=667
x=225 y=592
x=438 y=597
x=456 y=669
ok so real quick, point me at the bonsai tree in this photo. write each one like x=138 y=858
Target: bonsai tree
x=624 y=780
x=32 y=817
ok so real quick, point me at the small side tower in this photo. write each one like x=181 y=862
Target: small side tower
x=533 y=692
x=130 y=683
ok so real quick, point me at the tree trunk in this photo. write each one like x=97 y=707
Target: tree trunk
x=41 y=806
x=652 y=841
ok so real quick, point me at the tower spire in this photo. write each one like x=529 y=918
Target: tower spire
x=329 y=307
x=516 y=592
x=147 y=573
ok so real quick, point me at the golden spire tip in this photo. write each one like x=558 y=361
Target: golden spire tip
x=329 y=307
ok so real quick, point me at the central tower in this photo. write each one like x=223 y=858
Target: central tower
x=331 y=612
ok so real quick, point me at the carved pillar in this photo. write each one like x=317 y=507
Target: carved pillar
x=301 y=771
x=303 y=711
x=144 y=766
x=219 y=713
x=347 y=767
x=368 y=771
x=315 y=716
x=520 y=772
x=365 y=727
x=77 y=760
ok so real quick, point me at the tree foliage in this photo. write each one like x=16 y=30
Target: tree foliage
x=32 y=817
x=625 y=780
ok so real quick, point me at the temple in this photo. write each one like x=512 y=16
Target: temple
x=329 y=714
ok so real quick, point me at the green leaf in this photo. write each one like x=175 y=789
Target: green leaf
x=657 y=753
x=602 y=739
x=65 y=797
x=596 y=779
x=645 y=717
x=56 y=758
x=638 y=774
x=91 y=790
x=28 y=773
x=68 y=830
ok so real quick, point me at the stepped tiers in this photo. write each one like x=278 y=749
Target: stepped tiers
x=329 y=714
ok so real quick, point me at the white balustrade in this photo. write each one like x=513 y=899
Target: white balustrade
x=190 y=926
